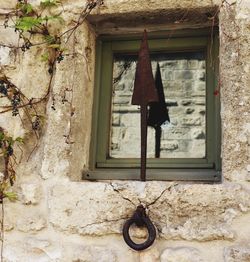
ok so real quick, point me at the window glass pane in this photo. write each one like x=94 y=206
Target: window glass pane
x=184 y=81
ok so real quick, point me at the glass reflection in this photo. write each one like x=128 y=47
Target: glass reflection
x=184 y=86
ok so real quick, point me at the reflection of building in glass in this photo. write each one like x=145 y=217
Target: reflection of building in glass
x=183 y=77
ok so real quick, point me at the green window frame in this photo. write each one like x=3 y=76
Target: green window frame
x=103 y=167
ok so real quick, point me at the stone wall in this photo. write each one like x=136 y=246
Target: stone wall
x=59 y=218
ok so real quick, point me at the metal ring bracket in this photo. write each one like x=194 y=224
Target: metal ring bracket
x=140 y=219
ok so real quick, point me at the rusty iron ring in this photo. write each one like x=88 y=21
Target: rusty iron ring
x=140 y=219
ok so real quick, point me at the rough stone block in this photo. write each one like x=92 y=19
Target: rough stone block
x=192 y=64
x=201 y=75
x=188 y=87
x=237 y=254
x=200 y=86
x=172 y=102
x=87 y=214
x=94 y=253
x=169 y=145
x=9 y=218
x=198 y=148
x=127 y=137
x=119 y=87
x=150 y=255
x=176 y=133
x=191 y=121
x=202 y=64
x=173 y=121
x=31 y=223
x=184 y=145
x=115 y=146
x=30 y=193
x=167 y=75
x=186 y=102
x=172 y=86
x=123 y=100
x=32 y=249
x=189 y=110
x=200 y=101
x=202 y=110
x=168 y=64
x=181 y=254
x=188 y=220
x=4 y=55
x=198 y=134
x=182 y=64
x=116 y=133
x=185 y=75
x=176 y=111
x=130 y=120
x=178 y=212
x=115 y=119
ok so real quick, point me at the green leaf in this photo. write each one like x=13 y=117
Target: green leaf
x=10 y=140
x=12 y=196
x=49 y=39
x=27 y=23
x=45 y=57
x=49 y=3
x=27 y=8
x=1 y=136
x=19 y=140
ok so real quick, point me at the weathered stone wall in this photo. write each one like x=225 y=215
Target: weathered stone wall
x=60 y=218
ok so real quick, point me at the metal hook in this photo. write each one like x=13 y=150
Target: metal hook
x=140 y=219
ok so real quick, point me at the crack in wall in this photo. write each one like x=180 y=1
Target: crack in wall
x=161 y=194
x=104 y=221
x=168 y=188
x=122 y=196
x=147 y=205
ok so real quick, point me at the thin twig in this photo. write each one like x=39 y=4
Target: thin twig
x=2 y=231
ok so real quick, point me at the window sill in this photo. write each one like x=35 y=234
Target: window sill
x=206 y=175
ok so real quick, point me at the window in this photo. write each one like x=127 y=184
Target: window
x=190 y=143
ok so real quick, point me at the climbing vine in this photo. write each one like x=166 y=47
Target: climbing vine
x=35 y=26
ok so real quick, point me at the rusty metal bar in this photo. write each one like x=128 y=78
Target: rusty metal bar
x=144 y=93
x=144 y=132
